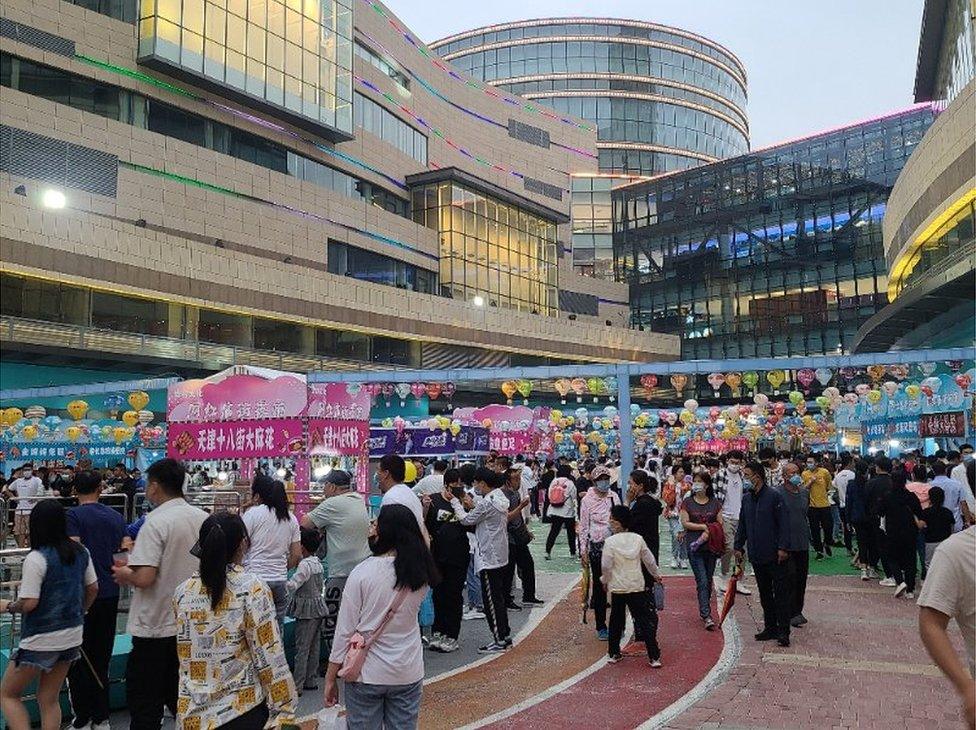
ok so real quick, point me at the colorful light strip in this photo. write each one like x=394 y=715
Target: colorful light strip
x=484 y=88
x=139 y=76
x=254 y=199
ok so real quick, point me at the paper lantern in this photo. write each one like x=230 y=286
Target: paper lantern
x=898 y=372
x=963 y=380
x=73 y=433
x=678 y=382
x=805 y=377
x=874 y=397
x=691 y=405
x=890 y=387
x=524 y=389
x=130 y=418
x=12 y=415
x=77 y=409
x=418 y=390
x=796 y=397
x=562 y=386
x=912 y=390
x=433 y=390
x=648 y=383
x=775 y=379
x=402 y=390
x=876 y=372
x=35 y=413
x=146 y=417
x=579 y=387
x=823 y=375
x=449 y=389
x=29 y=433
x=509 y=388
x=733 y=380
x=716 y=380
x=751 y=379
x=138 y=399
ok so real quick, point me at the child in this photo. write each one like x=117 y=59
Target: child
x=58 y=586
x=307 y=607
x=623 y=554
x=937 y=521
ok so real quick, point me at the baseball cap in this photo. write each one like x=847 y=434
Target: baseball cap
x=600 y=472
x=338 y=477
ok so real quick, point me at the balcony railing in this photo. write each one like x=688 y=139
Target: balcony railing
x=204 y=354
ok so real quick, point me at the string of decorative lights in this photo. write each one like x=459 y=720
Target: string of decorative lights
x=481 y=117
x=484 y=88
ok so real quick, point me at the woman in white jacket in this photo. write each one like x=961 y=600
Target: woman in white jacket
x=561 y=512
x=623 y=554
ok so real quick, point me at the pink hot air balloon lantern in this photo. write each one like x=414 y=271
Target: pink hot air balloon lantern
x=648 y=383
x=387 y=389
x=963 y=380
x=433 y=391
x=418 y=390
x=805 y=377
x=448 y=389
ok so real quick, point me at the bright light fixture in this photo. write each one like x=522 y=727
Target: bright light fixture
x=894 y=443
x=53 y=199
x=281 y=473
x=321 y=471
x=479 y=301
x=221 y=476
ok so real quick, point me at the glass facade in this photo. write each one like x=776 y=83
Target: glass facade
x=129 y=107
x=500 y=253
x=674 y=99
x=773 y=253
x=294 y=55
x=956 y=64
x=592 y=214
x=358 y=263
x=375 y=119
x=947 y=244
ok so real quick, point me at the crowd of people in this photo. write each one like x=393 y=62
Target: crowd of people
x=210 y=593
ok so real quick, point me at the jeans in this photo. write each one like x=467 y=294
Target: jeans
x=679 y=551
x=820 y=520
x=555 y=525
x=308 y=632
x=473 y=585
x=773 y=582
x=448 y=600
x=494 y=597
x=798 y=568
x=645 y=621
x=598 y=600
x=279 y=591
x=520 y=558
x=703 y=566
x=89 y=701
x=151 y=681
x=375 y=706
x=835 y=524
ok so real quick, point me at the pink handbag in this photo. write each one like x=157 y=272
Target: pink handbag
x=358 y=647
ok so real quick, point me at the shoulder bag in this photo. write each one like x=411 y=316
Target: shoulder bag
x=358 y=647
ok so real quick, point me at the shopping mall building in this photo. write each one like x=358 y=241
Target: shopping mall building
x=191 y=185
x=661 y=99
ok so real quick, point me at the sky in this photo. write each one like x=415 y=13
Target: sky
x=811 y=65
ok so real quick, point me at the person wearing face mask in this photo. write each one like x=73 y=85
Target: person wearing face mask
x=727 y=484
x=764 y=526
x=594 y=528
x=160 y=561
x=698 y=512
x=673 y=494
x=25 y=488
x=796 y=497
x=817 y=480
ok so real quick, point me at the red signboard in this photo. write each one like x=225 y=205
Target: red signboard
x=942 y=424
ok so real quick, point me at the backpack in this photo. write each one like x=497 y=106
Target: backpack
x=668 y=494
x=557 y=493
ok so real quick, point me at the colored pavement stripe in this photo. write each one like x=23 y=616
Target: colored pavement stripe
x=626 y=694
x=853 y=665
x=559 y=648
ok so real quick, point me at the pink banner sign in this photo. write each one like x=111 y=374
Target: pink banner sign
x=340 y=401
x=336 y=437
x=237 y=398
x=718 y=446
x=235 y=440
x=521 y=442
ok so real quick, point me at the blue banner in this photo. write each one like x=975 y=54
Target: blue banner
x=100 y=454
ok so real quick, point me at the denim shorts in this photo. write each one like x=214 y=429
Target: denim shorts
x=44 y=660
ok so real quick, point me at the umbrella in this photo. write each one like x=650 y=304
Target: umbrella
x=729 y=597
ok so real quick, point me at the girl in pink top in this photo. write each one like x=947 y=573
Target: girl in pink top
x=919 y=486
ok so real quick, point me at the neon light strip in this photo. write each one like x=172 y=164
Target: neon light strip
x=891 y=115
x=254 y=199
x=139 y=76
x=484 y=88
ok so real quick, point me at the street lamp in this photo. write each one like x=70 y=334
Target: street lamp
x=53 y=199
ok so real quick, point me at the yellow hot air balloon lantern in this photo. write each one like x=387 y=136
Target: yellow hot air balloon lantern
x=130 y=418
x=776 y=379
x=509 y=388
x=73 y=433
x=12 y=415
x=29 y=433
x=138 y=399
x=77 y=409
x=119 y=433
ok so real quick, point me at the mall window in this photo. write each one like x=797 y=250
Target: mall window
x=395 y=351
x=280 y=336
x=48 y=301
x=378 y=121
x=359 y=263
x=132 y=314
x=224 y=328
x=373 y=58
x=114 y=103
x=119 y=9
x=499 y=252
x=343 y=344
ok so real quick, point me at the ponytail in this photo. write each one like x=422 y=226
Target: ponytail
x=221 y=536
x=272 y=495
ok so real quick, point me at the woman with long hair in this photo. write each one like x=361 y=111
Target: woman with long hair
x=697 y=512
x=395 y=579
x=57 y=587
x=673 y=493
x=275 y=538
x=902 y=514
x=233 y=671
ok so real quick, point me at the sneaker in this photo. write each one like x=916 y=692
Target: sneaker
x=864 y=574
x=471 y=614
x=425 y=640
x=765 y=635
x=798 y=620
x=709 y=624
x=507 y=642
x=614 y=658
x=674 y=564
x=448 y=645
x=533 y=601
x=872 y=574
x=436 y=643
x=492 y=648
x=910 y=595
x=818 y=556
x=603 y=635
x=513 y=606
x=887 y=583
x=742 y=590
x=656 y=663
x=901 y=588
x=106 y=725
x=783 y=640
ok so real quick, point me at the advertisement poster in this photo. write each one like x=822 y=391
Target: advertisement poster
x=237 y=398
x=235 y=440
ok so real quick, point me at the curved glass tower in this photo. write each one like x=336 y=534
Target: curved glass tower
x=662 y=98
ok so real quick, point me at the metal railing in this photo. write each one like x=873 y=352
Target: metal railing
x=8 y=509
x=83 y=337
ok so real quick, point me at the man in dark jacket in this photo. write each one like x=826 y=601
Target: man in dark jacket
x=764 y=526
x=877 y=489
x=645 y=509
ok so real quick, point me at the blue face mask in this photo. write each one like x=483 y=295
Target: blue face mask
x=796 y=480
x=747 y=485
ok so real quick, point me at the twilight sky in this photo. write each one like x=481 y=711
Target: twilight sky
x=811 y=65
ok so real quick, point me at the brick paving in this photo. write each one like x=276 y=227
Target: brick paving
x=858 y=664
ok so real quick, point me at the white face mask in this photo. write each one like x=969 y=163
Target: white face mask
x=27 y=473
x=811 y=465
x=697 y=488
x=734 y=468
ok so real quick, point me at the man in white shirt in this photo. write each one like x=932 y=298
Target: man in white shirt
x=390 y=473
x=160 y=561
x=727 y=485
x=25 y=487
x=432 y=483
x=841 y=479
x=958 y=496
